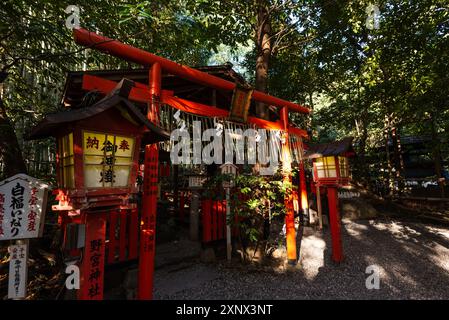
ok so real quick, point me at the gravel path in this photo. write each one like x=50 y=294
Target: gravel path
x=413 y=259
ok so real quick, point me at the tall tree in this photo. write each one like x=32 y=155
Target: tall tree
x=36 y=50
x=270 y=26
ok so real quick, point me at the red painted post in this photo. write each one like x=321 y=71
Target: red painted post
x=303 y=189
x=112 y=239
x=206 y=211
x=334 y=220
x=155 y=77
x=292 y=256
x=133 y=233
x=122 y=235
x=212 y=220
x=215 y=216
x=149 y=198
x=148 y=224
x=222 y=219
x=92 y=265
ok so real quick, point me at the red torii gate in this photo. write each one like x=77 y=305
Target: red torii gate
x=153 y=94
x=139 y=56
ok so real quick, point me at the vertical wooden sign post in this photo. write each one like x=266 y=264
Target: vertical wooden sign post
x=18 y=270
x=195 y=184
x=228 y=225
x=231 y=170
x=194 y=216
x=92 y=266
x=319 y=206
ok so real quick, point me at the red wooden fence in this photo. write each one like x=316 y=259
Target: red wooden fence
x=214 y=219
x=122 y=235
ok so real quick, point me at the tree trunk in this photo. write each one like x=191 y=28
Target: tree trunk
x=394 y=141
x=308 y=120
x=361 y=152
x=391 y=128
x=388 y=156
x=436 y=151
x=263 y=50
x=397 y=156
x=10 y=153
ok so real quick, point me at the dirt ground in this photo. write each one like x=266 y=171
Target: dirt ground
x=412 y=259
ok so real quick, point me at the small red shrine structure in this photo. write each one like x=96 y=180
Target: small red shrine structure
x=97 y=160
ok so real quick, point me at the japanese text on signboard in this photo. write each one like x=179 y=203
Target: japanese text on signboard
x=96 y=267
x=17 y=271
x=22 y=205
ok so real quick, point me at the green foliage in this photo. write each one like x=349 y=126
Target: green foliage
x=253 y=200
x=363 y=82
x=37 y=50
x=354 y=79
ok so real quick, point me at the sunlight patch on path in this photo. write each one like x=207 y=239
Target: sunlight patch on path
x=355 y=229
x=312 y=255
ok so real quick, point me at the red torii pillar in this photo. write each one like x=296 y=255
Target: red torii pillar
x=292 y=257
x=149 y=198
x=303 y=185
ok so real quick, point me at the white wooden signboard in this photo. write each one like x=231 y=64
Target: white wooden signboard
x=23 y=201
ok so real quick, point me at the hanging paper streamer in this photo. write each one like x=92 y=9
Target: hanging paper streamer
x=296 y=148
x=172 y=119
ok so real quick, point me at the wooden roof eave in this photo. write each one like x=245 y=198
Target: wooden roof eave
x=335 y=148
x=116 y=99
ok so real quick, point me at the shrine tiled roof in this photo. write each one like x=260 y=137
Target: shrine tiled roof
x=116 y=99
x=335 y=148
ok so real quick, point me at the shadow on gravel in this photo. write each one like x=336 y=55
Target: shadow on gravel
x=413 y=261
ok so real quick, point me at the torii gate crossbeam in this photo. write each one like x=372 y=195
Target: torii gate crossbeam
x=142 y=57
